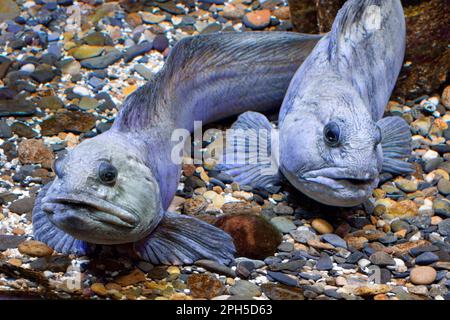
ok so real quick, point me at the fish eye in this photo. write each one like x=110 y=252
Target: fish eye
x=332 y=134
x=107 y=173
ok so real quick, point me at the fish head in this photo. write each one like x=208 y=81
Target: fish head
x=331 y=150
x=103 y=192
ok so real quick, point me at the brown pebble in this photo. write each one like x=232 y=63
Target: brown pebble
x=35 y=248
x=423 y=275
x=322 y=226
x=99 y=289
x=133 y=277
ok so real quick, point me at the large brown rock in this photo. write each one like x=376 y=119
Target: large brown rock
x=304 y=15
x=428 y=33
x=35 y=151
x=326 y=12
x=427 y=40
x=71 y=121
x=253 y=236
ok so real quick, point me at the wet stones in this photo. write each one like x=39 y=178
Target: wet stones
x=10 y=241
x=68 y=121
x=134 y=277
x=137 y=50
x=322 y=226
x=22 y=206
x=253 y=236
x=35 y=248
x=257 y=20
x=102 y=62
x=216 y=267
x=35 y=151
x=423 y=275
x=381 y=258
x=246 y=289
x=204 y=286
x=282 y=292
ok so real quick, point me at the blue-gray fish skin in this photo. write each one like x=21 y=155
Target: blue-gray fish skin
x=333 y=141
x=116 y=187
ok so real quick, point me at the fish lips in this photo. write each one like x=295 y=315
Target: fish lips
x=76 y=210
x=338 y=186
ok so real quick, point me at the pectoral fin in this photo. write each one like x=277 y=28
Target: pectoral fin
x=45 y=231
x=251 y=153
x=181 y=239
x=396 y=145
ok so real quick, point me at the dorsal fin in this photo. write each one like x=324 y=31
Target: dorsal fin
x=355 y=20
x=366 y=46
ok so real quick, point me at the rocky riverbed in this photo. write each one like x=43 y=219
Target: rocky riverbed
x=65 y=68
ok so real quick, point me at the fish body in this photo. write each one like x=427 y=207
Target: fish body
x=116 y=187
x=333 y=141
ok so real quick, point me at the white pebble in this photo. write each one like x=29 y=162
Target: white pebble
x=82 y=91
x=430 y=155
x=363 y=263
x=29 y=67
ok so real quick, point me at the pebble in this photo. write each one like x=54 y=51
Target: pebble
x=10 y=241
x=254 y=237
x=426 y=258
x=205 y=286
x=35 y=248
x=245 y=289
x=99 y=289
x=103 y=61
x=444 y=227
x=302 y=234
x=283 y=224
x=134 y=277
x=322 y=226
x=444 y=187
x=257 y=20
x=35 y=151
x=283 y=278
x=381 y=258
x=423 y=275
x=324 y=262
x=216 y=267
x=334 y=240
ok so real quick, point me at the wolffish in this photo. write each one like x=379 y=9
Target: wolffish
x=116 y=187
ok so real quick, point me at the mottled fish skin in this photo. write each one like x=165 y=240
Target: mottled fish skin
x=332 y=140
x=115 y=188
x=345 y=83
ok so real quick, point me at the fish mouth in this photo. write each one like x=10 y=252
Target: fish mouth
x=93 y=208
x=341 y=178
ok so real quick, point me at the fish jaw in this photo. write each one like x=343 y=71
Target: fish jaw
x=93 y=220
x=335 y=186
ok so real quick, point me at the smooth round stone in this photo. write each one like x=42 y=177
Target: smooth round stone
x=442 y=207
x=423 y=275
x=286 y=247
x=381 y=258
x=322 y=226
x=246 y=289
x=426 y=258
x=444 y=227
x=258 y=19
x=35 y=248
x=324 y=263
x=284 y=225
x=406 y=185
x=398 y=225
x=81 y=91
x=29 y=67
x=444 y=186
x=334 y=240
